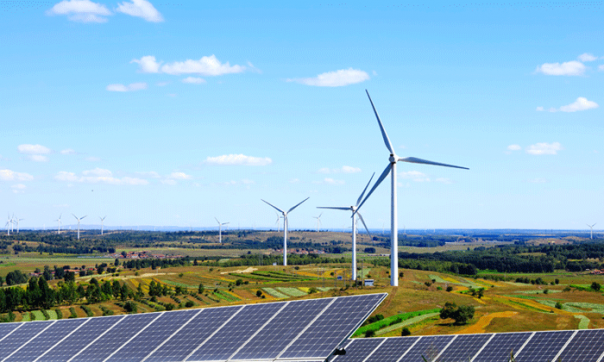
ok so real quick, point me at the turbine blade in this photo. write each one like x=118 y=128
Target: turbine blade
x=384 y=135
x=377 y=183
x=224 y=223
x=363 y=221
x=365 y=189
x=426 y=162
x=334 y=208
x=217 y=220
x=75 y=216
x=290 y=210
x=83 y=217
x=275 y=207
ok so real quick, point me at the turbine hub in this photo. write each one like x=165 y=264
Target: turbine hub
x=393 y=158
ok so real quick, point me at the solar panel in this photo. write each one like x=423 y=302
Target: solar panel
x=464 y=347
x=45 y=340
x=87 y=333
x=280 y=331
x=192 y=335
x=359 y=349
x=499 y=348
x=587 y=345
x=336 y=323
x=20 y=336
x=543 y=347
x=429 y=347
x=392 y=349
x=120 y=334
x=5 y=329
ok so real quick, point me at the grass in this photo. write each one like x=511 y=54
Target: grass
x=408 y=322
x=275 y=293
x=392 y=321
x=39 y=315
x=583 y=321
x=294 y=292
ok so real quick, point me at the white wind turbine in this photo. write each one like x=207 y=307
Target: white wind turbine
x=220 y=229
x=391 y=168
x=102 y=222
x=17 y=222
x=12 y=224
x=8 y=225
x=278 y=222
x=59 y=221
x=318 y=221
x=591 y=227
x=79 y=219
x=354 y=209
x=285 y=223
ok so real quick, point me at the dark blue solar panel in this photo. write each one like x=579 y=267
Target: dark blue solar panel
x=51 y=336
x=543 y=347
x=80 y=339
x=281 y=331
x=392 y=349
x=464 y=347
x=119 y=335
x=6 y=328
x=192 y=335
x=429 y=347
x=20 y=336
x=586 y=346
x=224 y=343
x=359 y=349
x=147 y=340
x=337 y=323
x=500 y=347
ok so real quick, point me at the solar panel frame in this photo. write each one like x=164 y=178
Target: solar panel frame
x=544 y=346
x=19 y=337
x=587 y=345
x=500 y=346
x=360 y=349
x=464 y=347
x=6 y=329
x=427 y=346
x=392 y=349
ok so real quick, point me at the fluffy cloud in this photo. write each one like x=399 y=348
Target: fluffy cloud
x=568 y=68
x=147 y=64
x=126 y=88
x=330 y=181
x=84 y=11
x=343 y=169
x=98 y=175
x=34 y=152
x=539 y=109
x=586 y=57
x=8 y=175
x=514 y=148
x=238 y=160
x=581 y=104
x=142 y=9
x=194 y=80
x=415 y=176
x=206 y=66
x=544 y=149
x=18 y=188
x=337 y=78
x=68 y=151
x=179 y=176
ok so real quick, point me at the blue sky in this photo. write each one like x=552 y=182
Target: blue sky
x=173 y=113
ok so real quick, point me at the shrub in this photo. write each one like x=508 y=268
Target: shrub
x=312 y=290
x=370 y=333
x=189 y=304
x=130 y=307
x=449 y=288
x=87 y=310
x=595 y=286
x=460 y=314
x=558 y=305
x=405 y=332
x=259 y=293
x=72 y=313
x=59 y=313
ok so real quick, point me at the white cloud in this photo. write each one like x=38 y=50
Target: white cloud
x=350 y=169
x=581 y=104
x=194 y=80
x=208 y=66
x=147 y=64
x=84 y=11
x=38 y=158
x=68 y=151
x=544 y=148
x=415 y=176
x=33 y=149
x=586 y=57
x=126 y=88
x=539 y=109
x=331 y=181
x=343 y=169
x=567 y=68
x=238 y=160
x=179 y=176
x=8 y=175
x=98 y=175
x=247 y=181
x=601 y=67
x=142 y=9
x=18 y=188
x=337 y=78
x=514 y=148
x=537 y=181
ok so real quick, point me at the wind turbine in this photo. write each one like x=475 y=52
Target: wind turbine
x=285 y=226
x=278 y=222
x=12 y=224
x=220 y=229
x=79 y=219
x=8 y=224
x=391 y=168
x=59 y=221
x=17 y=221
x=354 y=210
x=591 y=227
x=102 y=220
x=318 y=220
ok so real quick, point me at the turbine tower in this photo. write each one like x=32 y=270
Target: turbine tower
x=591 y=227
x=59 y=221
x=354 y=209
x=12 y=224
x=391 y=168
x=220 y=229
x=318 y=220
x=278 y=222
x=8 y=224
x=79 y=219
x=17 y=221
x=102 y=221
x=285 y=213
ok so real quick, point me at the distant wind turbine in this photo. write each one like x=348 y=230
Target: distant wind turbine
x=391 y=169
x=278 y=222
x=79 y=219
x=59 y=221
x=8 y=224
x=102 y=222
x=354 y=210
x=220 y=229
x=318 y=221
x=591 y=227
x=285 y=223
x=17 y=222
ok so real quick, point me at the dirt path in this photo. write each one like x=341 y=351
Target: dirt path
x=248 y=270
x=479 y=327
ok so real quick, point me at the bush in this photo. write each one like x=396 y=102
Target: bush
x=595 y=286
x=59 y=313
x=558 y=305
x=189 y=304
x=312 y=290
x=72 y=313
x=46 y=315
x=259 y=293
x=370 y=333
x=130 y=307
x=169 y=306
x=460 y=314
x=546 y=291
x=405 y=332
x=87 y=310
x=449 y=288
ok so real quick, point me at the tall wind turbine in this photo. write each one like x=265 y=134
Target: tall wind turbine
x=59 y=221
x=285 y=223
x=318 y=220
x=391 y=168
x=354 y=209
x=8 y=224
x=102 y=221
x=79 y=219
x=17 y=222
x=591 y=227
x=278 y=222
x=220 y=229
x=12 y=224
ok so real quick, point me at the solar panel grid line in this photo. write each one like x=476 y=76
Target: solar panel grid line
x=64 y=338
x=444 y=349
x=565 y=345
x=31 y=339
x=97 y=338
x=601 y=357
x=172 y=335
x=11 y=332
x=525 y=343
x=482 y=348
x=306 y=328
x=503 y=344
x=258 y=331
x=375 y=349
x=408 y=349
x=588 y=345
x=346 y=346
x=214 y=333
x=134 y=336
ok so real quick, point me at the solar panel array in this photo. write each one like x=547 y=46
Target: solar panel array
x=566 y=346
x=296 y=330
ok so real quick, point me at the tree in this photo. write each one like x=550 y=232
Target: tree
x=259 y=293
x=1 y=281
x=596 y=286
x=460 y=314
x=200 y=289
x=405 y=332
x=116 y=262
